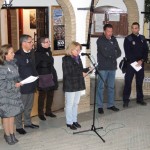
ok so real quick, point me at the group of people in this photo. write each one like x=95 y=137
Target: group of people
x=16 y=99
x=136 y=49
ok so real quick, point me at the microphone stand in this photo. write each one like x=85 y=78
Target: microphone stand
x=93 y=128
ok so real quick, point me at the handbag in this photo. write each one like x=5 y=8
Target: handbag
x=123 y=65
x=46 y=81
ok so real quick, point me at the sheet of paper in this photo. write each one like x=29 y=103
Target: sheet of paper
x=30 y=79
x=134 y=65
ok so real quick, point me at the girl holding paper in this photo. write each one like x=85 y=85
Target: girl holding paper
x=10 y=97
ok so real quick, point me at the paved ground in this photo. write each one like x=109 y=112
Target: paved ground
x=128 y=129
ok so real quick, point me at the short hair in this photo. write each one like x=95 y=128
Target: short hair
x=72 y=46
x=3 y=52
x=136 y=23
x=107 y=26
x=42 y=39
x=24 y=38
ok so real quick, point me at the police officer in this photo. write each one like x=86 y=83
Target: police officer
x=136 y=49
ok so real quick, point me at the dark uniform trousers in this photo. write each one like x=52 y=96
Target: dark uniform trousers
x=49 y=94
x=139 y=76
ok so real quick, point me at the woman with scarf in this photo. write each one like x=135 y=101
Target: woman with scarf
x=73 y=82
x=47 y=77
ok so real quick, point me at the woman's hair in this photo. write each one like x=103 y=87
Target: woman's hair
x=42 y=40
x=3 y=52
x=72 y=46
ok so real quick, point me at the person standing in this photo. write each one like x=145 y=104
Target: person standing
x=107 y=53
x=47 y=77
x=26 y=65
x=73 y=83
x=136 y=49
x=10 y=96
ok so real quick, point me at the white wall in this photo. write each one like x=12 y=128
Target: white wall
x=34 y=3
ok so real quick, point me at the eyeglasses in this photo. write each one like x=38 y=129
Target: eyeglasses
x=47 y=42
x=29 y=42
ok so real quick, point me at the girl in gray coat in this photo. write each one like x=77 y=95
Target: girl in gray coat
x=10 y=102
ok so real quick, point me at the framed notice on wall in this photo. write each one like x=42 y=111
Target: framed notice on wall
x=57 y=31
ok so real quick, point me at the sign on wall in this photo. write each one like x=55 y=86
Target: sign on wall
x=58 y=30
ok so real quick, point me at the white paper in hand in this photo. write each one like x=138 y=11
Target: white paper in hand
x=134 y=65
x=30 y=79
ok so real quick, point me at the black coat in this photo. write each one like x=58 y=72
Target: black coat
x=73 y=79
x=26 y=66
x=45 y=65
x=135 y=48
x=107 y=53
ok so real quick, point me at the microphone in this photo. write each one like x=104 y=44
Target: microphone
x=85 y=54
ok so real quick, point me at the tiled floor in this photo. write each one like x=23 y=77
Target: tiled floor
x=128 y=129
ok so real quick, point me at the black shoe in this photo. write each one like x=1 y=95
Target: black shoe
x=125 y=105
x=50 y=115
x=31 y=126
x=113 y=108
x=71 y=126
x=8 y=139
x=42 y=117
x=100 y=111
x=21 y=131
x=14 y=138
x=141 y=103
x=76 y=124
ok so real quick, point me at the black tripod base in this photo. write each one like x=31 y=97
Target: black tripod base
x=92 y=129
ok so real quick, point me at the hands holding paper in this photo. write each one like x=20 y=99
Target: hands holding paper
x=137 y=65
x=30 y=79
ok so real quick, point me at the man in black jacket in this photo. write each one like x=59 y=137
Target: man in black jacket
x=26 y=66
x=136 y=49
x=107 y=53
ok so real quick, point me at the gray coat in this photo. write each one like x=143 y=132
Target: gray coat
x=10 y=97
x=107 y=53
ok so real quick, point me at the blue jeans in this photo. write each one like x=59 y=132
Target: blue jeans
x=109 y=77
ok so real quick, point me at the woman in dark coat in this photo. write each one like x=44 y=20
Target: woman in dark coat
x=47 y=77
x=73 y=83
x=10 y=97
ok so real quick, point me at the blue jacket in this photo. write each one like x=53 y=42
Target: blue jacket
x=135 y=48
x=26 y=66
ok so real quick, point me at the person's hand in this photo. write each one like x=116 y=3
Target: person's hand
x=91 y=69
x=84 y=74
x=139 y=63
x=17 y=85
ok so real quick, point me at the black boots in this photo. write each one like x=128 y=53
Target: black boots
x=10 y=139
x=13 y=138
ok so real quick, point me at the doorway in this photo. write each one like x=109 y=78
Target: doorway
x=33 y=21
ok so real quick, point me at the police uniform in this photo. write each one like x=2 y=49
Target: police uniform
x=136 y=48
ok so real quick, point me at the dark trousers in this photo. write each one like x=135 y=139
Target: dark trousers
x=41 y=101
x=139 y=76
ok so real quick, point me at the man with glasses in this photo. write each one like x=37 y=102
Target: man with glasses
x=26 y=66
